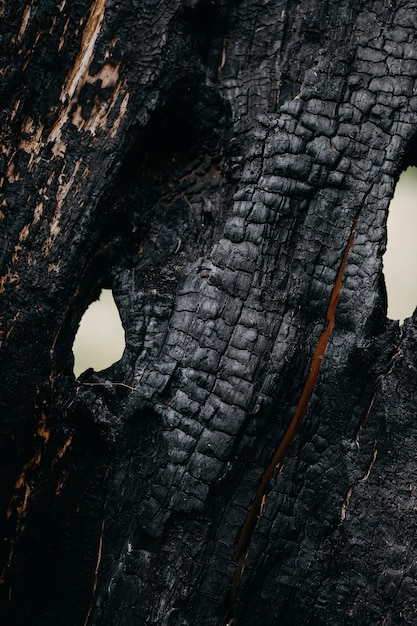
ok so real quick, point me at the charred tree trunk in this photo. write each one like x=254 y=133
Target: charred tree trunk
x=226 y=168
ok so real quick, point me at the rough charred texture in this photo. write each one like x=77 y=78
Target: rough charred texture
x=226 y=168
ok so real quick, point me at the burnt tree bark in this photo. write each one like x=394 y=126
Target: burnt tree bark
x=226 y=168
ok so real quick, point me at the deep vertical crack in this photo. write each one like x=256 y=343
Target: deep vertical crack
x=99 y=553
x=259 y=501
x=362 y=479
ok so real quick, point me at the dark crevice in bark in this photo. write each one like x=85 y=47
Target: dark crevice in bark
x=410 y=155
x=205 y=23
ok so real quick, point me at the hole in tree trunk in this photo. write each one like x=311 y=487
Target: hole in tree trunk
x=100 y=339
x=400 y=259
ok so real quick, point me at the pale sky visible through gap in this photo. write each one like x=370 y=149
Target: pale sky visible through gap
x=100 y=339
x=400 y=259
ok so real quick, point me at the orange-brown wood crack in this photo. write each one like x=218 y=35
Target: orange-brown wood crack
x=276 y=463
x=97 y=567
x=99 y=554
x=23 y=485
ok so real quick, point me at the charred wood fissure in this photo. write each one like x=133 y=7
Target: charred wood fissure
x=208 y=162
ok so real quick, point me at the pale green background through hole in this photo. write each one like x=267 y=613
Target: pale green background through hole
x=400 y=259
x=100 y=339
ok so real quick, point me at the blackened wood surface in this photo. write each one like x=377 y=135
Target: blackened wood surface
x=226 y=169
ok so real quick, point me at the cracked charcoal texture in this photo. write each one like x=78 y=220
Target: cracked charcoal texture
x=212 y=163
